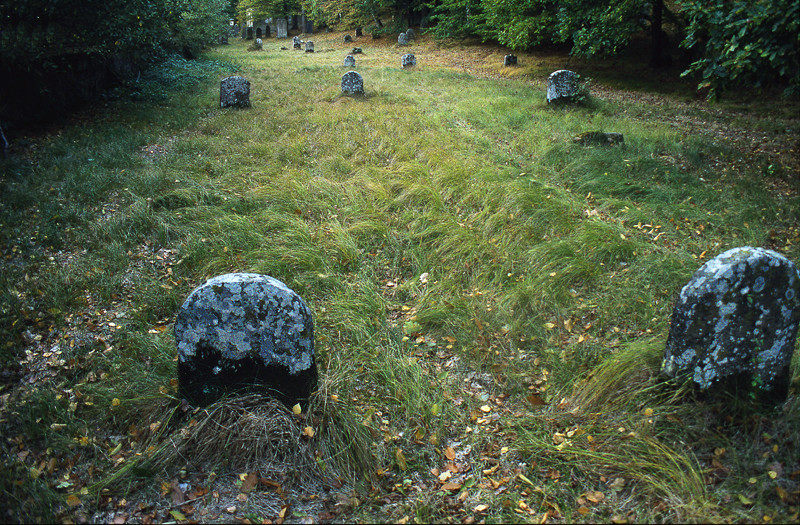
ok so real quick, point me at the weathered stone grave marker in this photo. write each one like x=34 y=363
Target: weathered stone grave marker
x=348 y=39
x=510 y=60
x=245 y=332
x=234 y=91
x=599 y=138
x=282 y=28
x=737 y=317
x=410 y=34
x=356 y=51
x=296 y=42
x=408 y=60
x=359 y=32
x=352 y=83
x=402 y=39
x=350 y=61
x=309 y=47
x=562 y=86
x=258 y=32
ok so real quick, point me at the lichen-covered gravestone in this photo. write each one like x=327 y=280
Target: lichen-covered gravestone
x=357 y=51
x=296 y=42
x=348 y=39
x=234 y=92
x=350 y=61
x=282 y=28
x=410 y=34
x=352 y=83
x=245 y=332
x=402 y=39
x=510 y=60
x=309 y=47
x=562 y=85
x=408 y=60
x=737 y=320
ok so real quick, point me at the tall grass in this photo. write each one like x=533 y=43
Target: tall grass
x=440 y=226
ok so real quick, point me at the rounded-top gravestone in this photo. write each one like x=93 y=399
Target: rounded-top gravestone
x=296 y=42
x=402 y=39
x=234 y=92
x=562 y=85
x=348 y=39
x=309 y=47
x=245 y=332
x=736 y=320
x=510 y=60
x=410 y=34
x=359 y=32
x=350 y=61
x=352 y=83
x=408 y=60
x=357 y=51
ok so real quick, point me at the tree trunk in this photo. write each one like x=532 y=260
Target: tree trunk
x=657 y=58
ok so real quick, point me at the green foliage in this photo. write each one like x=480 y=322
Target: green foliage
x=599 y=29
x=744 y=42
x=519 y=25
x=457 y=18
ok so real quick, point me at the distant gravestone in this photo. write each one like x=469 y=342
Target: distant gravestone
x=296 y=42
x=352 y=83
x=309 y=29
x=402 y=39
x=245 y=331
x=359 y=32
x=737 y=317
x=562 y=85
x=356 y=51
x=599 y=138
x=411 y=34
x=249 y=33
x=350 y=61
x=348 y=39
x=234 y=92
x=510 y=60
x=267 y=32
x=282 y=29
x=309 y=47
x=258 y=32
x=408 y=60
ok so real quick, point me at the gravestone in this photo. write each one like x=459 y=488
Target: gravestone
x=309 y=47
x=402 y=39
x=562 y=86
x=352 y=83
x=599 y=138
x=258 y=32
x=735 y=320
x=296 y=42
x=359 y=32
x=408 y=60
x=267 y=32
x=411 y=34
x=356 y=51
x=309 y=28
x=234 y=92
x=249 y=33
x=348 y=39
x=258 y=45
x=282 y=29
x=350 y=61
x=245 y=332
x=510 y=60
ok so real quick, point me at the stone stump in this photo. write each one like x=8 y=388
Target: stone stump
x=736 y=323
x=309 y=47
x=408 y=60
x=352 y=83
x=350 y=61
x=402 y=39
x=245 y=332
x=234 y=92
x=562 y=86
x=296 y=42
x=510 y=60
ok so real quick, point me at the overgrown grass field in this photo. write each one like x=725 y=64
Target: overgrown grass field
x=491 y=300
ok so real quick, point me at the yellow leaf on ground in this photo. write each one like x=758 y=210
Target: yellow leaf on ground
x=178 y=515
x=401 y=458
x=449 y=453
x=73 y=500
x=115 y=402
x=480 y=508
x=297 y=409
x=648 y=412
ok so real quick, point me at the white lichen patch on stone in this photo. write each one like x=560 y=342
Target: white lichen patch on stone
x=739 y=313
x=247 y=315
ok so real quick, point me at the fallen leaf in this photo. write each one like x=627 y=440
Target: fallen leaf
x=583 y=511
x=115 y=402
x=308 y=432
x=449 y=453
x=480 y=508
x=73 y=500
x=249 y=482
x=178 y=515
x=536 y=400
x=297 y=409
x=451 y=486
x=401 y=459
x=744 y=500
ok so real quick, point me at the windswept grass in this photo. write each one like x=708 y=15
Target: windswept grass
x=489 y=297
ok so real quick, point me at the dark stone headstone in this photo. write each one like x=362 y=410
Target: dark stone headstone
x=309 y=29
x=737 y=318
x=599 y=138
x=402 y=39
x=562 y=85
x=309 y=47
x=356 y=51
x=352 y=83
x=348 y=39
x=296 y=42
x=510 y=60
x=267 y=32
x=249 y=33
x=359 y=32
x=234 y=92
x=350 y=61
x=245 y=331
x=411 y=34
x=258 y=32
x=408 y=60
